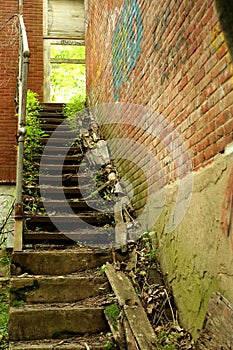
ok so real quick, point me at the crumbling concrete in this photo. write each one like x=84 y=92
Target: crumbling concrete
x=197 y=257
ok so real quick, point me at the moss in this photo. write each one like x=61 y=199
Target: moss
x=113 y=312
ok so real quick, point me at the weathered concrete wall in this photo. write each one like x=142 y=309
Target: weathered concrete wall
x=197 y=257
x=7 y=195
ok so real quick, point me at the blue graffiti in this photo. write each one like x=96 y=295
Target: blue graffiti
x=126 y=44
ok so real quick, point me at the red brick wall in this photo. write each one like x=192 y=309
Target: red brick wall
x=8 y=75
x=178 y=65
x=33 y=16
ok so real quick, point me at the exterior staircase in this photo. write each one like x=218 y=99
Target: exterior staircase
x=39 y=226
x=58 y=295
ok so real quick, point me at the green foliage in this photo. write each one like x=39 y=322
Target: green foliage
x=101 y=269
x=32 y=142
x=67 y=79
x=33 y=133
x=146 y=238
x=4 y=304
x=75 y=105
x=74 y=110
x=169 y=340
x=109 y=346
x=113 y=312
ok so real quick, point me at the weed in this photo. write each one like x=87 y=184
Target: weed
x=4 y=306
x=72 y=110
x=110 y=346
x=17 y=303
x=101 y=269
x=146 y=238
x=32 y=147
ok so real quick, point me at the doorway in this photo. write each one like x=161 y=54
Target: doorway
x=64 y=50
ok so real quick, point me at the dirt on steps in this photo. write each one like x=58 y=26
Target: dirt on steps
x=101 y=341
x=59 y=294
x=58 y=262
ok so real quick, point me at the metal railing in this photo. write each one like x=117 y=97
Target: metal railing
x=24 y=55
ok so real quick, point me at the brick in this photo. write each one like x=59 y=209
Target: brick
x=199 y=76
x=210 y=151
x=228 y=127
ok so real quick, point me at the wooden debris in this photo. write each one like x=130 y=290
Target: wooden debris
x=128 y=300
x=129 y=337
x=117 y=332
x=120 y=227
x=217 y=332
x=132 y=262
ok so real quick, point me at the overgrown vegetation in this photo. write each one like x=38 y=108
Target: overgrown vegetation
x=6 y=228
x=156 y=295
x=4 y=300
x=32 y=146
x=4 y=312
x=73 y=108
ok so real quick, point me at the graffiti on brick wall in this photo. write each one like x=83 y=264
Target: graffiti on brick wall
x=227 y=210
x=161 y=23
x=126 y=44
x=174 y=55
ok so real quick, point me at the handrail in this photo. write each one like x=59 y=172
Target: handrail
x=24 y=55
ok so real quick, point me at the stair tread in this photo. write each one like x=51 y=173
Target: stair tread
x=95 y=341
x=56 y=262
x=58 y=215
x=85 y=274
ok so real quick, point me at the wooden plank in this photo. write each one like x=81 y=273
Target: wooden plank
x=66 y=60
x=133 y=309
x=130 y=340
x=73 y=42
x=66 y=18
x=118 y=334
x=120 y=227
x=217 y=332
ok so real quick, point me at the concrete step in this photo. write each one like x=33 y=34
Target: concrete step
x=94 y=342
x=59 y=159
x=82 y=177
x=76 y=204
x=55 y=169
x=57 y=149
x=51 y=123
x=62 y=289
x=97 y=239
x=58 y=192
x=67 y=222
x=64 y=133
x=52 y=106
x=58 y=262
x=51 y=322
